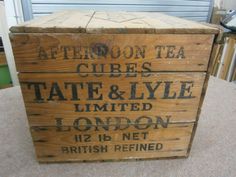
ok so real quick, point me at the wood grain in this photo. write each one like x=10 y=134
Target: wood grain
x=53 y=146
x=113 y=23
x=44 y=111
x=112 y=85
x=143 y=22
x=131 y=53
x=204 y=89
x=227 y=59
x=3 y=60
x=64 y=21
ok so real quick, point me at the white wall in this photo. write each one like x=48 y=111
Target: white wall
x=13 y=11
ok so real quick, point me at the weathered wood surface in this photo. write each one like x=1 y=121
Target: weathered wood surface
x=65 y=21
x=3 y=60
x=68 y=96
x=143 y=22
x=111 y=53
x=112 y=22
x=112 y=85
x=83 y=144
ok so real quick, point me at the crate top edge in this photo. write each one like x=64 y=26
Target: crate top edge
x=101 y=22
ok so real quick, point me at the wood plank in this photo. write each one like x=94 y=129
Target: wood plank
x=3 y=60
x=167 y=95
x=234 y=75
x=217 y=52
x=143 y=22
x=104 y=53
x=65 y=21
x=83 y=144
x=112 y=22
x=228 y=58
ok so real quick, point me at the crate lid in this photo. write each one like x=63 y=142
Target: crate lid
x=112 y=23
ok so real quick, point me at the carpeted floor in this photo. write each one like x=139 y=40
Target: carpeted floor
x=213 y=152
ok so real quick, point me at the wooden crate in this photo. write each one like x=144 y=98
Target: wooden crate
x=112 y=86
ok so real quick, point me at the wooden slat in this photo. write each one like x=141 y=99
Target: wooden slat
x=3 y=60
x=217 y=53
x=112 y=22
x=53 y=145
x=43 y=109
x=227 y=58
x=66 y=21
x=134 y=22
x=234 y=75
x=46 y=52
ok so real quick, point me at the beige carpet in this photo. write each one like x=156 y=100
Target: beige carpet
x=213 y=152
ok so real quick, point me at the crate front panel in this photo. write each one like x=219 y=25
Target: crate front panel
x=86 y=143
x=125 y=53
x=172 y=96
